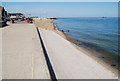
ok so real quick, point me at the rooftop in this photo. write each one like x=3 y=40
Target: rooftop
x=15 y=13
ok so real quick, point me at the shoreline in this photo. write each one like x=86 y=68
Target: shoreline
x=93 y=54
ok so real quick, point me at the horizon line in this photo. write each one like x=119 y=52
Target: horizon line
x=63 y=1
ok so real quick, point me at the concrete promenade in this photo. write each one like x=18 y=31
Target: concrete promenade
x=22 y=56
x=70 y=63
x=0 y=53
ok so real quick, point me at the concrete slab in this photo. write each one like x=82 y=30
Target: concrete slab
x=22 y=55
x=0 y=53
x=70 y=63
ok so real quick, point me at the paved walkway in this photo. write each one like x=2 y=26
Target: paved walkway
x=68 y=62
x=0 y=53
x=22 y=56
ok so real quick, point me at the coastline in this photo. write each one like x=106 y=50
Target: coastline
x=49 y=25
x=91 y=53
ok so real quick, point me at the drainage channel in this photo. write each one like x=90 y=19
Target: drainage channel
x=50 y=68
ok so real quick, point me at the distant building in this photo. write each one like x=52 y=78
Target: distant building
x=16 y=15
x=3 y=13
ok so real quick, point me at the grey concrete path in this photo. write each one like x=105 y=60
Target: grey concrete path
x=0 y=53
x=22 y=56
x=70 y=63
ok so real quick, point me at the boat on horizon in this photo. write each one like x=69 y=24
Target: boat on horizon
x=104 y=17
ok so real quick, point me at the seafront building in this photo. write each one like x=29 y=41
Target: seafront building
x=3 y=13
x=16 y=15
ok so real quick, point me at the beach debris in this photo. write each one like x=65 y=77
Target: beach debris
x=68 y=30
x=62 y=30
x=113 y=65
x=102 y=57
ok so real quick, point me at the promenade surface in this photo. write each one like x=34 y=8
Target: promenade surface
x=22 y=56
x=0 y=53
x=70 y=63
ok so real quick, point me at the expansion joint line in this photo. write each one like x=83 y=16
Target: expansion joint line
x=49 y=65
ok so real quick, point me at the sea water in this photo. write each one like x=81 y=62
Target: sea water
x=96 y=33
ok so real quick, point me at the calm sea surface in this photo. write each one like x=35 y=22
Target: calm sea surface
x=97 y=33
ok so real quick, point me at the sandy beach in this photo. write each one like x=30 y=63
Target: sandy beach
x=47 y=24
x=74 y=62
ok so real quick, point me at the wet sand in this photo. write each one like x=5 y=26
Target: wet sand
x=48 y=25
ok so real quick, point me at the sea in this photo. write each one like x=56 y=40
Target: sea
x=96 y=33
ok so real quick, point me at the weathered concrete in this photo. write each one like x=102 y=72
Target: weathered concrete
x=22 y=56
x=0 y=54
x=70 y=63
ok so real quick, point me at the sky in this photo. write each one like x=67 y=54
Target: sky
x=64 y=9
x=60 y=0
